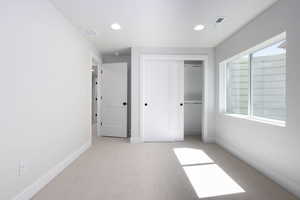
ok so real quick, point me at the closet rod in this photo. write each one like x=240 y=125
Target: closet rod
x=196 y=66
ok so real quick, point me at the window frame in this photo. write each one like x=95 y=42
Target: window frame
x=223 y=87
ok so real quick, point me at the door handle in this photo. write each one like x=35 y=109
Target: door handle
x=181 y=104
x=146 y=104
x=124 y=103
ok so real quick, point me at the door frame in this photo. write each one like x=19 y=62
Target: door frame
x=203 y=58
x=94 y=61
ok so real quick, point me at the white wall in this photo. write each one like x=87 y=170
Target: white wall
x=45 y=91
x=271 y=149
x=135 y=84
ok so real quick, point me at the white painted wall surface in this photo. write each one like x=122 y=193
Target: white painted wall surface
x=271 y=149
x=135 y=84
x=45 y=92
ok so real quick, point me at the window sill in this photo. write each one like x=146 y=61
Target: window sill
x=258 y=119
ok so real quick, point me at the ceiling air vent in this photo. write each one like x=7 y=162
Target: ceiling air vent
x=220 y=20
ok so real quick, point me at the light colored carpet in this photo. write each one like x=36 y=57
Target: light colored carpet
x=113 y=169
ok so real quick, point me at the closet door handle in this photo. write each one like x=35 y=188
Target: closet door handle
x=124 y=103
x=146 y=104
x=181 y=104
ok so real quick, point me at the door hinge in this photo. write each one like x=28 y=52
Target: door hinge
x=100 y=123
x=101 y=71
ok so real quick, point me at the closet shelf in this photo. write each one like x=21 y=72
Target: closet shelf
x=193 y=102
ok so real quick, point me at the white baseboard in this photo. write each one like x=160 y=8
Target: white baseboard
x=290 y=185
x=209 y=140
x=32 y=189
x=135 y=140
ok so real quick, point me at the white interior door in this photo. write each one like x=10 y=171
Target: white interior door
x=114 y=100
x=163 y=100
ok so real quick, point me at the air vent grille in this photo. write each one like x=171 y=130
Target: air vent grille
x=220 y=20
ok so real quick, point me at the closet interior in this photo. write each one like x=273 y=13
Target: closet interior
x=193 y=95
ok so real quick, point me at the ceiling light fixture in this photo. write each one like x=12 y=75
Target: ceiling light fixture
x=115 y=26
x=199 y=27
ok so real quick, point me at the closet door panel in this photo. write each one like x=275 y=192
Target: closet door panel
x=156 y=112
x=176 y=97
x=161 y=93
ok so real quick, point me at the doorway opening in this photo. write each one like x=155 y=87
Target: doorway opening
x=115 y=99
x=173 y=95
x=193 y=95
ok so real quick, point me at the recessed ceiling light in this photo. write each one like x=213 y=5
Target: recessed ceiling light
x=115 y=26
x=199 y=27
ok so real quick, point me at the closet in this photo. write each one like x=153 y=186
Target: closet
x=193 y=92
x=171 y=98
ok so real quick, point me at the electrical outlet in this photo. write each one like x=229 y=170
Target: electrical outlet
x=21 y=168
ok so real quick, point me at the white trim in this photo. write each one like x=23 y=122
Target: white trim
x=175 y=57
x=41 y=182
x=222 y=88
x=258 y=119
x=203 y=58
x=94 y=60
x=135 y=140
x=100 y=79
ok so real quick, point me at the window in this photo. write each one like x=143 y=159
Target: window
x=254 y=83
x=238 y=85
x=268 y=80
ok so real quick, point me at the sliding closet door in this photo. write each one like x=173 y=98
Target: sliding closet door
x=163 y=97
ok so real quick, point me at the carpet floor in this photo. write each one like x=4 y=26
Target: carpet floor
x=115 y=169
